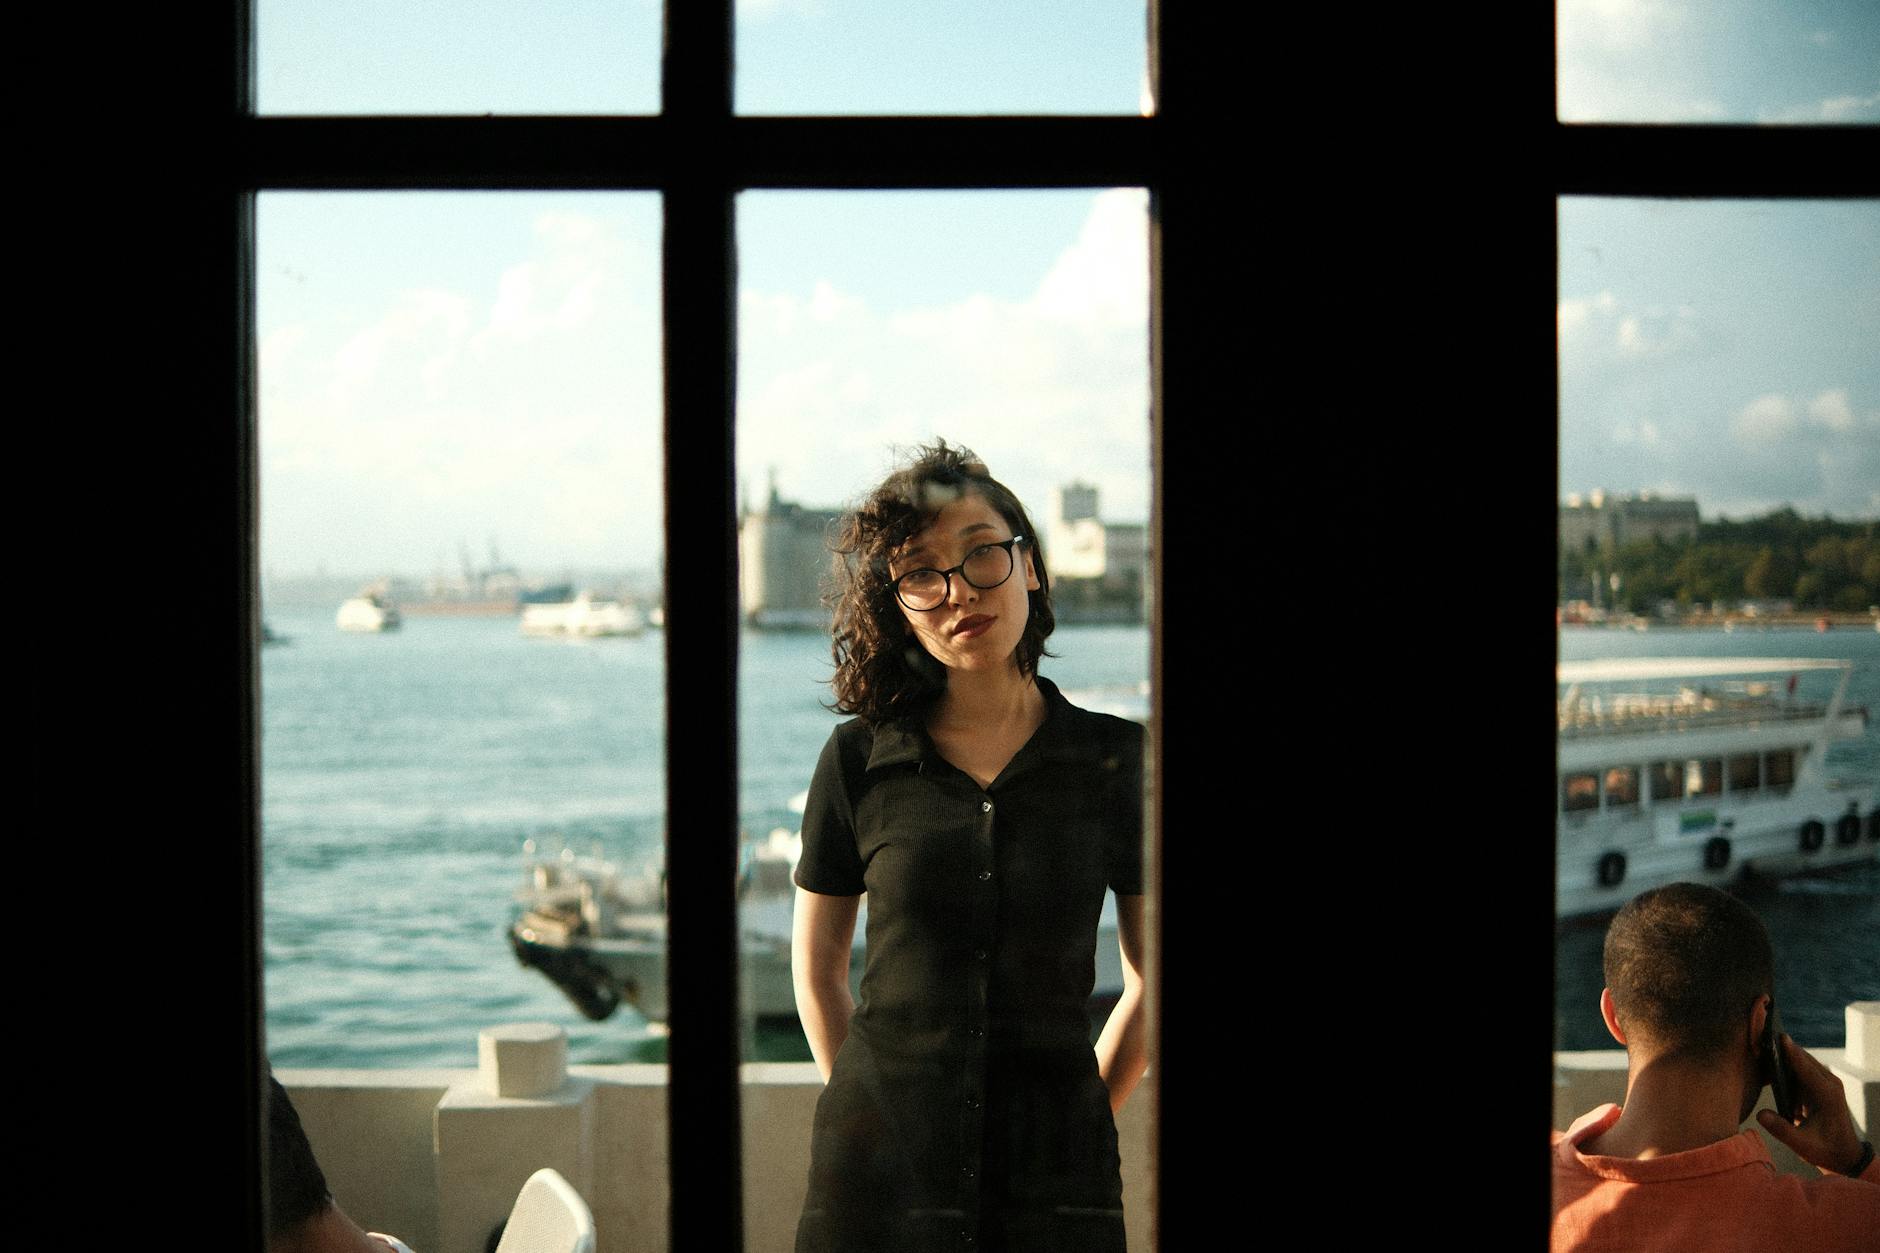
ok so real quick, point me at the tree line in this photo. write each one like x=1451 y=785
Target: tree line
x=1816 y=562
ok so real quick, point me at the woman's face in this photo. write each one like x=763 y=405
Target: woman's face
x=973 y=628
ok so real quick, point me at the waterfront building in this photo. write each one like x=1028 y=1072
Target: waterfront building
x=1604 y=521
x=783 y=551
x=1098 y=569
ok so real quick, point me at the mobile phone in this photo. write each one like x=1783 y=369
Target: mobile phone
x=1776 y=1066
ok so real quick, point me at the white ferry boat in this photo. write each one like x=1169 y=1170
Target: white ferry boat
x=1676 y=769
x=368 y=612
x=583 y=618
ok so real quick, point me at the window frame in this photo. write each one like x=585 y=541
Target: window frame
x=249 y=154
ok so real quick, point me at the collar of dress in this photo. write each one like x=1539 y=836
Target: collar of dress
x=899 y=742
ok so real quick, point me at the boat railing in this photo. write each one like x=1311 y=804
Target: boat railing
x=1632 y=713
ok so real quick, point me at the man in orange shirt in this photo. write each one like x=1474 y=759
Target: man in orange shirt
x=1688 y=975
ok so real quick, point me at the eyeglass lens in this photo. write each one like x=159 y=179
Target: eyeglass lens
x=984 y=568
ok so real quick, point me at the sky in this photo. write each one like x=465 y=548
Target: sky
x=444 y=371
x=1769 y=61
x=1727 y=350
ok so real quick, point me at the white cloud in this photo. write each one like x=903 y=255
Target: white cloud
x=1768 y=419
x=1105 y=274
x=1573 y=313
x=1047 y=388
x=1831 y=409
x=1617 y=25
x=1850 y=108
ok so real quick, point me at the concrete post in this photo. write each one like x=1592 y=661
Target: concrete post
x=1859 y=1067
x=520 y=1113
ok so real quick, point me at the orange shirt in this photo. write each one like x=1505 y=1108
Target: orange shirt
x=1725 y=1196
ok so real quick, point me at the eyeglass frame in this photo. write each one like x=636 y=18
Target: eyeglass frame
x=946 y=576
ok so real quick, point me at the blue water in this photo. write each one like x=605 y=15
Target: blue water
x=402 y=772
x=1825 y=929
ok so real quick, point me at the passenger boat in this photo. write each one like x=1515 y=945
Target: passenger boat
x=368 y=612
x=1700 y=769
x=584 y=617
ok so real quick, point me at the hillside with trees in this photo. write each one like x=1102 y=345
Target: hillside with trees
x=1817 y=563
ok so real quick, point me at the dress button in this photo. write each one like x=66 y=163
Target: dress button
x=984 y=875
x=966 y=1238
x=972 y=1102
x=977 y=1032
x=980 y=953
x=967 y=1171
x=985 y=807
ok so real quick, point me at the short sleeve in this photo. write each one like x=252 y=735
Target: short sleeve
x=1123 y=835
x=831 y=863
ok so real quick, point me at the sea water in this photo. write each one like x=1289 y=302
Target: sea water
x=402 y=773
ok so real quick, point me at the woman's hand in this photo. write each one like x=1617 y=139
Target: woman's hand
x=822 y=934
x=1122 y=1049
x=1827 y=1136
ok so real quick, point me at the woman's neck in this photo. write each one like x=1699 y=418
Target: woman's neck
x=989 y=700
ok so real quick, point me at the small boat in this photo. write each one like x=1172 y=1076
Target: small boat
x=1683 y=769
x=368 y=612
x=584 y=617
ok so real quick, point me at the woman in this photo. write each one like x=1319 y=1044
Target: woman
x=984 y=816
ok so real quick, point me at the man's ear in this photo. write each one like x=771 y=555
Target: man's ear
x=1758 y=1019
x=1610 y=1013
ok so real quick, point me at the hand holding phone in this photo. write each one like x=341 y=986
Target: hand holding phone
x=1776 y=1072
x=1804 y=1089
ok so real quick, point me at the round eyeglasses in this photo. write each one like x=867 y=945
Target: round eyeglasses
x=985 y=568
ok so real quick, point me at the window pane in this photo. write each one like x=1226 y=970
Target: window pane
x=1579 y=792
x=1743 y=772
x=1730 y=61
x=1622 y=786
x=921 y=56
x=457 y=56
x=459 y=413
x=1704 y=778
x=1667 y=780
x=1779 y=768
x=1719 y=410
x=1014 y=324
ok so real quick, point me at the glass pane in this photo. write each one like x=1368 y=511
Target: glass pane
x=457 y=56
x=965 y=57
x=1719 y=454
x=462 y=705
x=1731 y=61
x=1621 y=786
x=1014 y=324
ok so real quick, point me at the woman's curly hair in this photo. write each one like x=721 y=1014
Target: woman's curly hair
x=882 y=672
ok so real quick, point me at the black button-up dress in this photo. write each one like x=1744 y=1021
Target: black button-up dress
x=964 y=1110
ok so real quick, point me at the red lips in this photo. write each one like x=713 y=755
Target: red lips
x=972 y=624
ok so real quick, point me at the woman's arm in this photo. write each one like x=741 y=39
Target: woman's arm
x=821 y=935
x=1122 y=1049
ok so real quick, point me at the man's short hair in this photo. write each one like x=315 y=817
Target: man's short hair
x=1684 y=963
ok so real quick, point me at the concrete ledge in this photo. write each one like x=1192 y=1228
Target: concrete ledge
x=432 y=1157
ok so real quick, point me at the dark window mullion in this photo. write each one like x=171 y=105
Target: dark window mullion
x=699 y=291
